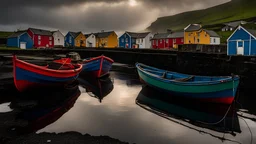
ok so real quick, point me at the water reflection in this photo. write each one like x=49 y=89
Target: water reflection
x=33 y=111
x=220 y=118
x=98 y=88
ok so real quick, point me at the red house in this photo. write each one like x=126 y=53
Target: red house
x=167 y=40
x=41 y=38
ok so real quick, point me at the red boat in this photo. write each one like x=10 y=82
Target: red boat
x=97 y=66
x=29 y=76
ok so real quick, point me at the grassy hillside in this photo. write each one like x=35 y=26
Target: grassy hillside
x=4 y=34
x=231 y=11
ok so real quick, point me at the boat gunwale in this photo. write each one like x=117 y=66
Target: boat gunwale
x=169 y=81
x=42 y=68
x=98 y=58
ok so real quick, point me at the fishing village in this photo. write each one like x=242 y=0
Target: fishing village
x=177 y=81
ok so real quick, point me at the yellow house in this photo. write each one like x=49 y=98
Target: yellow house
x=195 y=34
x=106 y=39
x=79 y=39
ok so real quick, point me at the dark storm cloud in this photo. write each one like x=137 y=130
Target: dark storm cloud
x=91 y=15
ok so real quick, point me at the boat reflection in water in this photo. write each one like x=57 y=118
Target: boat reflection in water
x=98 y=88
x=34 y=111
x=220 y=118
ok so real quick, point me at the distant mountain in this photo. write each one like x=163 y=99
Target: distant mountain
x=231 y=11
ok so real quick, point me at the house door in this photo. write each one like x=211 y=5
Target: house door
x=23 y=45
x=240 y=48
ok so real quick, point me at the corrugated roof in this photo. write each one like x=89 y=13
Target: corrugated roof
x=161 y=36
x=234 y=24
x=253 y=32
x=193 y=27
x=74 y=34
x=212 y=33
x=103 y=34
x=138 y=35
x=41 y=32
x=176 y=35
x=87 y=35
x=16 y=34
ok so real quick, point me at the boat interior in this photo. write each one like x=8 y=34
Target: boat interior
x=178 y=77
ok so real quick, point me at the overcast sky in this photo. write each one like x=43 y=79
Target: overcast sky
x=92 y=15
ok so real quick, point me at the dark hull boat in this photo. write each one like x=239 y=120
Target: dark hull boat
x=220 y=89
x=221 y=118
x=97 y=66
x=28 y=76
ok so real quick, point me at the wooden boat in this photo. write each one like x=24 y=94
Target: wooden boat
x=204 y=88
x=97 y=66
x=98 y=88
x=217 y=117
x=28 y=76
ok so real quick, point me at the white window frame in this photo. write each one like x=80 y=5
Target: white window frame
x=50 y=42
x=39 y=37
x=39 y=42
x=50 y=38
x=167 y=41
x=174 y=40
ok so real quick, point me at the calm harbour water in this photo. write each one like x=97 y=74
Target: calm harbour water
x=120 y=107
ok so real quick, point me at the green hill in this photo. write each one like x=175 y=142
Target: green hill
x=4 y=34
x=214 y=16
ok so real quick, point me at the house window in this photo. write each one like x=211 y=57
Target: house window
x=122 y=40
x=70 y=39
x=189 y=34
x=50 y=43
x=39 y=42
x=92 y=36
x=156 y=42
x=214 y=40
x=166 y=40
x=182 y=40
x=59 y=40
x=126 y=40
x=189 y=41
x=141 y=40
x=198 y=40
x=50 y=38
x=174 y=40
x=160 y=40
x=39 y=37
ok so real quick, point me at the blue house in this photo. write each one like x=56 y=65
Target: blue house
x=127 y=40
x=70 y=39
x=242 y=42
x=20 y=39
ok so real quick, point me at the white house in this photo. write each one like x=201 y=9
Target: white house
x=214 y=37
x=58 y=38
x=143 y=40
x=90 y=40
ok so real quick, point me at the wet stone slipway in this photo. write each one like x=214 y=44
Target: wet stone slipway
x=119 y=109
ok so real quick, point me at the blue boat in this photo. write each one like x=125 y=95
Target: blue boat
x=218 y=89
x=97 y=67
